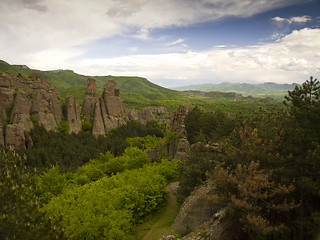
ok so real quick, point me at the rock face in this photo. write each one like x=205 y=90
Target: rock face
x=183 y=147
x=112 y=100
x=159 y=114
x=98 y=127
x=179 y=146
x=73 y=114
x=177 y=121
x=200 y=219
x=24 y=101
x=15 y=136
x=1 y=135
x=115 y=111
x=223 y=225
x=105 y=113
x=90 y=100
x=27 y=101
x=195 y=211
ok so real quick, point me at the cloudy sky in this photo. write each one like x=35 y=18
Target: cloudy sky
x=170 y=42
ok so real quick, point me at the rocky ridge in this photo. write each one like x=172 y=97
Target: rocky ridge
x=24 y=102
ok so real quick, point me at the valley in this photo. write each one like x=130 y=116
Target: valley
x=92 y=157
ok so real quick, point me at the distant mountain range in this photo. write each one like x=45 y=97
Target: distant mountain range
x=268 y=89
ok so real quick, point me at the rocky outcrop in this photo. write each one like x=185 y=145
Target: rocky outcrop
x=73 y=114
x=98 y=127
x=178 y=146
x=146 y=115
x=200 y=219
x=47 y=109
x=1 y=135
x=24 y=101
x=105 y=113
x=159 y=114
x=112 y=100
x=90 y=100
x=183 y=147
x=195 y=211
x=223 y=225
x=177 y=121
x=15 y=136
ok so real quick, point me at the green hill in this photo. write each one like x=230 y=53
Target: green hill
x=268 y=89
x=137 y=92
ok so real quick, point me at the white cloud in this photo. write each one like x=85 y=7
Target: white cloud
x=180 y=40
x=280 y=19
x=291 y=59
x=29 y=27
x=301 y=19
x=47 y=34
x=142 y=34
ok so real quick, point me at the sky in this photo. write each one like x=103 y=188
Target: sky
x=170 y=42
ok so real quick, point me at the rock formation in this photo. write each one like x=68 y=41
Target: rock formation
x=195 y=211
x=1 y=135
x=159 y=114
x=105 y=113
x=179 y=146
x=223 y=225
x=183 y=147
x=201 y=219
x=116 y=112
x=98 y=127
x=15 y=136
x=112 y=100
x=73 y=114
x=90 y=100
x=24 y=101
x=177 y=121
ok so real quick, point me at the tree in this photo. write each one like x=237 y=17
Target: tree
x=303 y=103
x=304 y=136
x=252 y=193
x=20 y=216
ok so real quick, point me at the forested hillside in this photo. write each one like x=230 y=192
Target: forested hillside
x=268 y=89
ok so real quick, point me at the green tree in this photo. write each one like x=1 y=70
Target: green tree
x=64 y=127
x=20 y=217
x=303 y=103
x=254 y=196
x=304 y=137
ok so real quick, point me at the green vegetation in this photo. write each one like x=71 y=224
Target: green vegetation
x=268 y=89
x=137 y=92
x=267 y=168
x=20 y=217
x=72 y=150
x=265 y=164
x=159 y=224
x=111 y=205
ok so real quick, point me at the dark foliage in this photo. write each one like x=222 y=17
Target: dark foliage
x=73 y=150
x=207 y=126
x=20 y=216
